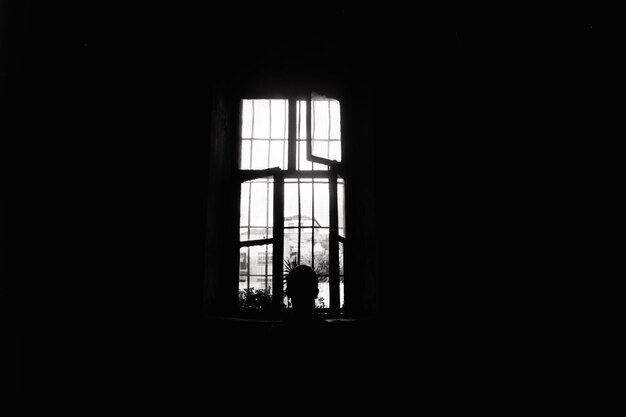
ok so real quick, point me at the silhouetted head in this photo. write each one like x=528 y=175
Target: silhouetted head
x=302 y=288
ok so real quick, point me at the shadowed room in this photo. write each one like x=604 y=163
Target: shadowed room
x=177 y=163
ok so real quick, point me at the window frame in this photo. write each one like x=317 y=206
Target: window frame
x=335 y=169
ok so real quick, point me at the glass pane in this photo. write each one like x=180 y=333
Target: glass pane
x=306 y=204
x=320 y=167
x=335 y=120
x=246 y=119
x=277 y=154
x=326 y=126
x=279 y=118
x=261 y=119
x=301 y=119
x=334 y=150
x=244 y=267
x=341 y=299
x=260 y=283
x=256 y=209
x=245 y=154
x=303 y=163
x=260 y=263
x=320 y=127
x=255 y=276
x=323 y=298
x=291 y=246
x=340 y=258
x=258 y=206
x=270 y=206
x=257 y=233
x=321 y=209
x=291 y=204
x=321 y=252
x=261 y=260
x=243 y=207
x=306 y=247
x=260 y=154
x=320 y=148
x=340 y=206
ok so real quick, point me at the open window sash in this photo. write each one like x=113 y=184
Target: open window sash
x=334 y=171
x=277 y=228
x=332 y=131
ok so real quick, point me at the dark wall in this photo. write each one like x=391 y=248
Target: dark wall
x=479 y=130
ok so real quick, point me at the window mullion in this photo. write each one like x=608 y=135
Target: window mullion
x=309 y=123
x=312 y=223
x=267 y=221
x=291 y=138
x=278 y=235
x=252 y=135
x=269 y=141
x=330 y=123
x=333 y=243
x=299 y=221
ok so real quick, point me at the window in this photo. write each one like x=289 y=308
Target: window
x=291 y=194
x=264 y=258
x=243 y=262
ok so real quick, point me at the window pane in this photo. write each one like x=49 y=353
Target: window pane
x=306 y=247
x=319 y=148
x=341 y=273
x=301 y=119
x=245 y=154
x=334 y=150
x=335 y=120
x=340 y=206
x=326 y=126
x=244 y=267
x=303 y=163
x=257 y=200
x=258 y=206
x=323 y=298
x=261 y=261
x=260 y=282
x=320 y=115
x=291 y=204
x=277 y=154
x=340 y=258
x=320 y=167
x=279 y=119
x=321 y=252
x=341 y=292
x=306 y=204
x=257 y=233
x=246 y=119
x=270 y=206
x=243 y=207
x=260 y=154
x=255 y=272
x=321 y=209
x=291 y=245
x=261 y=119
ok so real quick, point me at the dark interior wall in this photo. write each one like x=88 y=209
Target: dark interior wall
x=476 y=180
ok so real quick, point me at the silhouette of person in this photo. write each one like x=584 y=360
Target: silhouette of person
x=302 y=290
